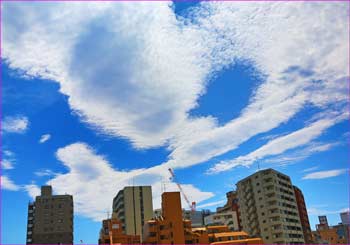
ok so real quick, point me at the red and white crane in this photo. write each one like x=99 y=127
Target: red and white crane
x=192 y=205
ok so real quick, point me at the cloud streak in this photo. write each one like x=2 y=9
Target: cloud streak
x=8 y=184
x=324 y=174
x=281 y=144
x=15 y=124
x=44 y=138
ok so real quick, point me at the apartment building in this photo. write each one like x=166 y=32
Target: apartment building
x=133 y=206
x=268 y=208
x=50 y=218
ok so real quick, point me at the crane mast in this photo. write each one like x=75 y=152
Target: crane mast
x=192 y=205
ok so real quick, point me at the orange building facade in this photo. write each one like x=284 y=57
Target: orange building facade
x=112 y=233
x=222 y=235
x=337 y=234
x=170 y=228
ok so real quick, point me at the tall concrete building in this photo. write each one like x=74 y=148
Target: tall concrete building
x=50 y=219
x=268 y=208
x=133 y=206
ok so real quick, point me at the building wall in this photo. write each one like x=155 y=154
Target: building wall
x=112 y=233
x=229 y=218
x=231 y=205
x=196 y=217
x=268 y=207
x=172 y=212
x=304 y=218
x=133 y=206
x=50 y=219
x=345 y=218
x=338 y=234
x=169 y=227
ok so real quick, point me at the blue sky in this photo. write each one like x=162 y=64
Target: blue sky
x=94 y=102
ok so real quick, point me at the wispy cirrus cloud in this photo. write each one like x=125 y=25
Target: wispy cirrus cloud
x=316 y=211
x=15 y=124
x=211 y=204
x=325 y=174
x=45 y=172
x=8 y=160
x=7 y=164
x=301 y=154
x=8 y=184
x=281 y=144
x=44 y=138
x=310 y=169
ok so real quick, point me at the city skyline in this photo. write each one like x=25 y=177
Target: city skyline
x=96 y=102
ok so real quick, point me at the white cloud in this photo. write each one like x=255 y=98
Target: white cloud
x=310 y=169
x=147 y=72
x=32 y=190
x=301 y=154
x=94 y=182
x=8 y=153
x=211 y=204
x=325 y=174
x=8 y=184
x=17 y=124
x=281 y=144
x=315 y=211
x=44 y=138
x=7 y=164
x=44 y=172
x=135 y=99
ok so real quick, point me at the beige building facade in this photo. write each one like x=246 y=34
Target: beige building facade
x=133 y=207
x=268 y=208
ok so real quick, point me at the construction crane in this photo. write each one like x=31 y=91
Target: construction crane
x=192 y=205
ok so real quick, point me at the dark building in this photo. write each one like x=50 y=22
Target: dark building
x=304 y=218
x=50 y=219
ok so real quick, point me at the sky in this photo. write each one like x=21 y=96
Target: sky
x=98 y=96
